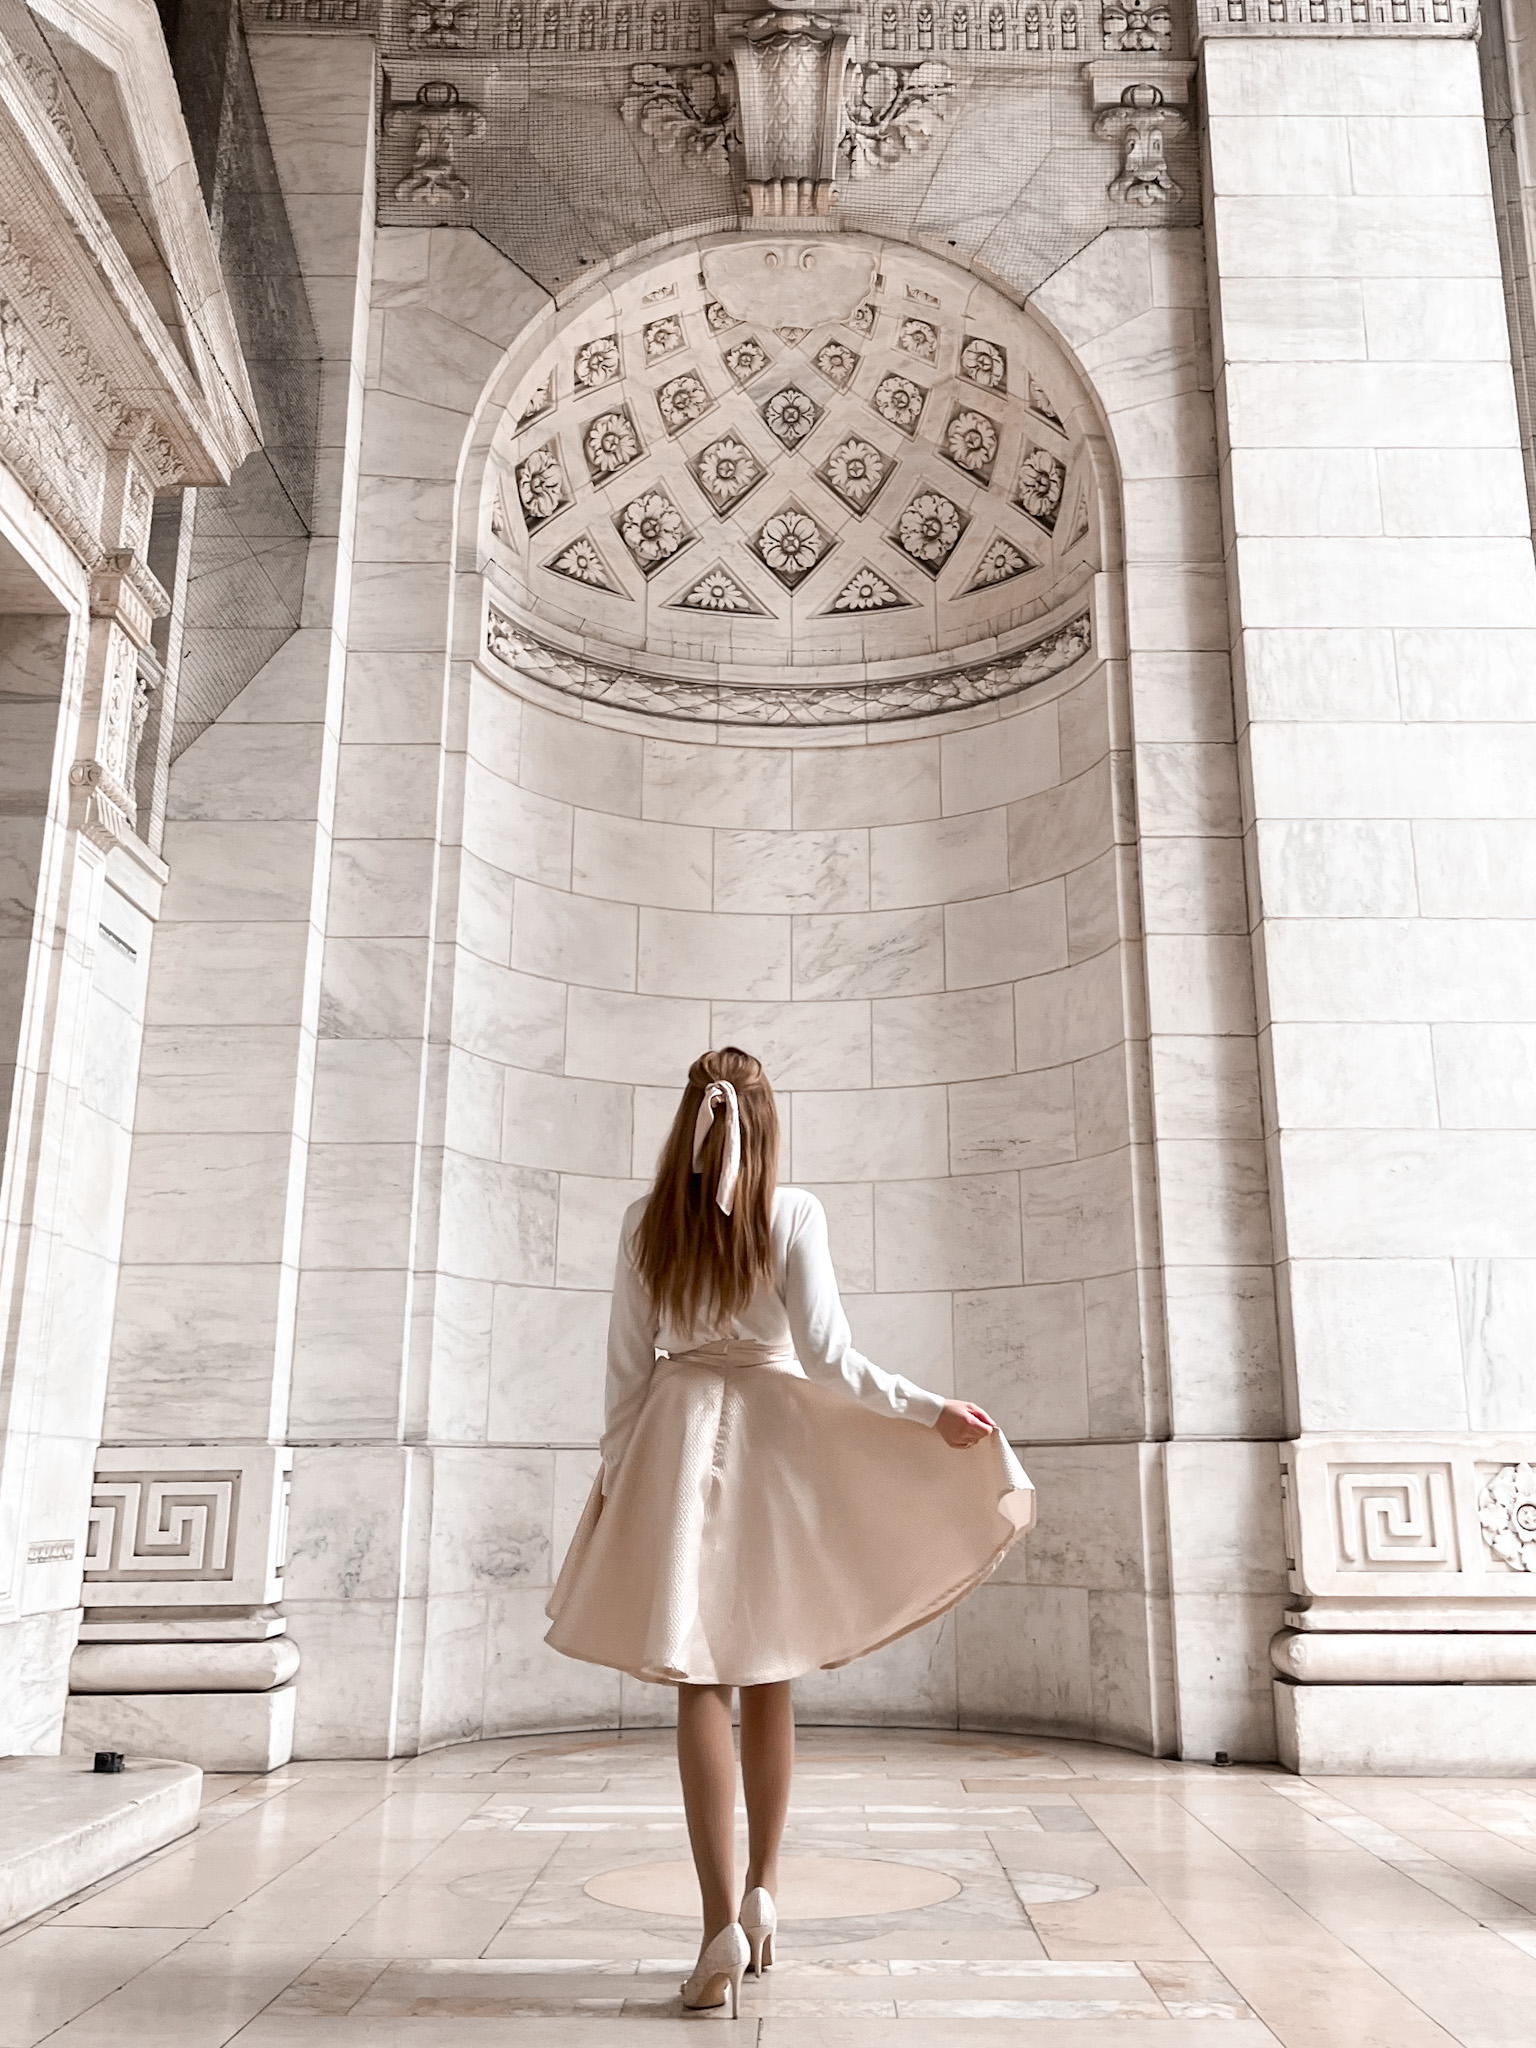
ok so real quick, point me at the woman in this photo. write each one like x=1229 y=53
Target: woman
x=770 y=1502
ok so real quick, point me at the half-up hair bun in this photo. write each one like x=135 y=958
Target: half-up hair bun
x=696 y=1258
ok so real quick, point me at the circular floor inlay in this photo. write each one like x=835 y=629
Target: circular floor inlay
x=1049 y=1887
x=810 y=1888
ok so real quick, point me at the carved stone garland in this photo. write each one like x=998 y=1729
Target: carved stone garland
x=756 y=704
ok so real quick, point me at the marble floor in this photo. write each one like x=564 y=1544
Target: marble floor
x=941 y=1889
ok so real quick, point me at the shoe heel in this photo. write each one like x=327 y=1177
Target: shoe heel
x=734 y=1980
x=760 y=1941
x=767 y=1953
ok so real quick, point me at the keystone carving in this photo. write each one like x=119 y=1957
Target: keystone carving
x=1142 y=124
x=792 y=107
x=437 y=120
x=790 y=69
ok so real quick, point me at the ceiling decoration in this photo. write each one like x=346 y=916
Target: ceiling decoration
x=678 y=479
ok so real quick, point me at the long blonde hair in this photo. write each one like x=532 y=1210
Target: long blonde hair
x=692 y=1257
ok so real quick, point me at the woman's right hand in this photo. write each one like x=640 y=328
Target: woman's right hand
x=962 y=1424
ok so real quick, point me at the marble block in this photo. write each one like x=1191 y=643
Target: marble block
x=64 y=1826
x=1407 y=1731
x=183 y=1667
x=218 y=1731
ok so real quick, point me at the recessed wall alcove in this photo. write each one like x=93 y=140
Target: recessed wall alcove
x=717 y=791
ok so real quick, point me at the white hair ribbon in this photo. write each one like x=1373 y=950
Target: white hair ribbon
x=718 y=1095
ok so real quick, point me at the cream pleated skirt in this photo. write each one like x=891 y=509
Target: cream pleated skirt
x=761 y=1526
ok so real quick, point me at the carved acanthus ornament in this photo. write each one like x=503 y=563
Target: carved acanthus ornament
x=1142 y=124
x=792 y=106
x=684 y=111
x=891 y=112
x=437 y=121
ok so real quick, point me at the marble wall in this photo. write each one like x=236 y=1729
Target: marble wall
x=921 y=940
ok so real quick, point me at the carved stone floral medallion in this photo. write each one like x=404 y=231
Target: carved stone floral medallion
x=1042 y=477
x=790 y=415
x=929 y=530
x=726 y=470
x=891 y=473
x=662 y=337
x=900 y=401
x=541 y=487
x=919 y=338
x=856 y=469
x=745 y=359
x=791 y=544
x=682 y=400
x=611 y=443
x=597 y=362
x=970 y=442
x=653 y=530
x=836 y=362
x=985 y=363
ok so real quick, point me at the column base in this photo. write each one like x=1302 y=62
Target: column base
x=1460 y=1731
x=220 y=1731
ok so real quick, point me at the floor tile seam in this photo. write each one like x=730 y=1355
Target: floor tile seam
x=1456 y=1873
x=1359 y=1946
x=1178 y=1910
x=1380 y=1867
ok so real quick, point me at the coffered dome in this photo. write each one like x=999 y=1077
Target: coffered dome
x=687 y=484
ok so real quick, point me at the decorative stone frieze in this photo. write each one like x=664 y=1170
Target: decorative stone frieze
x=1453 y=19
x=324 y=15
x=177 y=1526
x=1411 y=1533
x=753 y=704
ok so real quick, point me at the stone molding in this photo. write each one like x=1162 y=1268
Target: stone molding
x=1411 y=1532
x=754 y=704
x=1452 y=20
x=177 y=1526
x=899 y=32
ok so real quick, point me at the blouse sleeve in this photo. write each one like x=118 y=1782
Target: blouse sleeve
x=823 y=1342
x=632 y=1327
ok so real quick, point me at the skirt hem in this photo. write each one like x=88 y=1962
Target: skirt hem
x=655 y=1675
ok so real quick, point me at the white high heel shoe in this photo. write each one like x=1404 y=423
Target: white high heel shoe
x=717 y=1975
x=759 y=1922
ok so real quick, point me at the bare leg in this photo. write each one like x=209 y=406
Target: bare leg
x=706 y=1763
x=767 y=1770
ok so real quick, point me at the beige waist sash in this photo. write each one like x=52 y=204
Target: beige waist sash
x=726 y=1354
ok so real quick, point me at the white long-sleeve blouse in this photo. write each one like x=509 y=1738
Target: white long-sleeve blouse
x=802 y=1307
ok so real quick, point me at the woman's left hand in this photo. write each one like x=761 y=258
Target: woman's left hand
x=962 y=1424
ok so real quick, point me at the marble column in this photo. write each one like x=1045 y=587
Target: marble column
x=203 y=1344
x=1384 y=594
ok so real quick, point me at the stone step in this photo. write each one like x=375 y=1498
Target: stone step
x=64 y=1825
